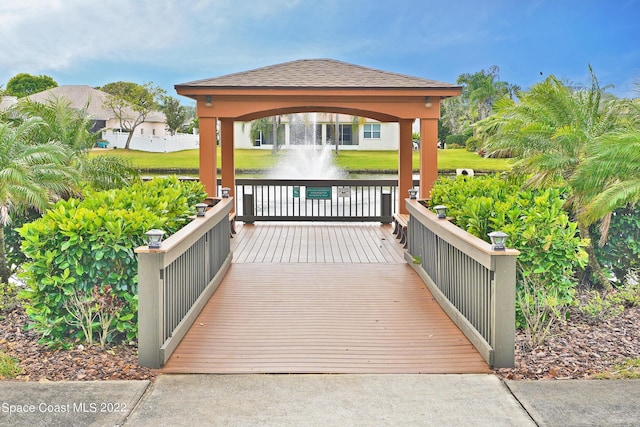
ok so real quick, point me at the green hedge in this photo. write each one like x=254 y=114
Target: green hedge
x=456 y=139
x=83 y=251
x=549 y=243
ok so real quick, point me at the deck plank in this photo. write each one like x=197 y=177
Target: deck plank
x=316 y=243
x=323 y=318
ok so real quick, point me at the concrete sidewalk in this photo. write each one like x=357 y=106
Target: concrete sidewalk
x=321 y=400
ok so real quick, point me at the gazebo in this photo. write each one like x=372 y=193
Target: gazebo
x=319 y=85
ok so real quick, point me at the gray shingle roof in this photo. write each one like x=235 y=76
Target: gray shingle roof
x=320 y=74
x=80 y=95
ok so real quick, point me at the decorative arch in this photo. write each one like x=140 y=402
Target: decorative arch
x=319 y=85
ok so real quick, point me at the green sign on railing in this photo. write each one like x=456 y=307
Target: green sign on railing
x=318 y=193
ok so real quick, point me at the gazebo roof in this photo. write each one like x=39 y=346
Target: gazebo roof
x=317 y=74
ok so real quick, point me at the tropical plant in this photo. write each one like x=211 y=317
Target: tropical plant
x=551 y=131
x=82 y=270
x=72 y=128
x=63 y=123
x=31 y=176
x=548 y=241
x=482 y=89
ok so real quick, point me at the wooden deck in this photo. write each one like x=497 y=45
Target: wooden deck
x=316 y=243
x=354 y=314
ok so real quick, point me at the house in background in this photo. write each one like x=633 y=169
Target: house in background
x=150 y=135
x=83 y=96
x=319 y=129
x=7 y=102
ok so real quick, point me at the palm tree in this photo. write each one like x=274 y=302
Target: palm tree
x=72 y=128
x=31 y=176
x=610 y=175
x=482 y=90
x=552 y=131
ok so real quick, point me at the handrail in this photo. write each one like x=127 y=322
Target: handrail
x=265 y=199
x=473 y=283
x=176 y=280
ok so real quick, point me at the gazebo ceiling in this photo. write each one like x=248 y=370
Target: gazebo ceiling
x=323 y=85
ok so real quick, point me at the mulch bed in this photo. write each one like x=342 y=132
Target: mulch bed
x=40 y=363
x=575 y=349
x=578 y=349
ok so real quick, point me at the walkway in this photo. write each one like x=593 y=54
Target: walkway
x=311 y=315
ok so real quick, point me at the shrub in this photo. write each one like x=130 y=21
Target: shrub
x=84 y=249
x=473 y=144
x=621 y=253
x=598 y=308
x=8 y=297
x=548 y=241
x=458 y=140
x=540 y=309
x=9 y=367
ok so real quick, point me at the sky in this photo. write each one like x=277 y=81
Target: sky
x=168 y=42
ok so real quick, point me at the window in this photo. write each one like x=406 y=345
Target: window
x=372 y=131
x=344 y=138
x=345 y=135
x=266 y=138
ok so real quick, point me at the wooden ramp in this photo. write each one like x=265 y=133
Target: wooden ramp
x=323 y=318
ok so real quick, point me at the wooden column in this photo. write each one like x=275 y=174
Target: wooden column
x=227 y=153
x=405 y=170
x=208 y=155
x=428 y=156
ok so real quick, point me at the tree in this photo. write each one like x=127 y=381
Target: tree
x=552 y=131
x=481 y=90
x=610 y=174
x=131 y=103
x=72 y=128
x=175 y=112
x=63 y=123
x=31 y=176
x=25 y=84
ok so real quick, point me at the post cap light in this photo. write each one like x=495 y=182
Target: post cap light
x=155 y=238
x=441 y=211
x=413 y=193
x=498 y=240
x=225 y=192
x=201 y=209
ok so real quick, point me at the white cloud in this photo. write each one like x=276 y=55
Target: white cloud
x=44 y=35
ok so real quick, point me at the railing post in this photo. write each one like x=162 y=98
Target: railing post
x=385 y=208
x=504 y=310
x=150 y=308
x=248 y=211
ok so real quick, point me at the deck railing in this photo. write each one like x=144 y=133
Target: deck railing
x=176 y=281
x=474 y=284
x=316 y=200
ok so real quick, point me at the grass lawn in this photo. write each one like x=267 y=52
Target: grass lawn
x=350 y=160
